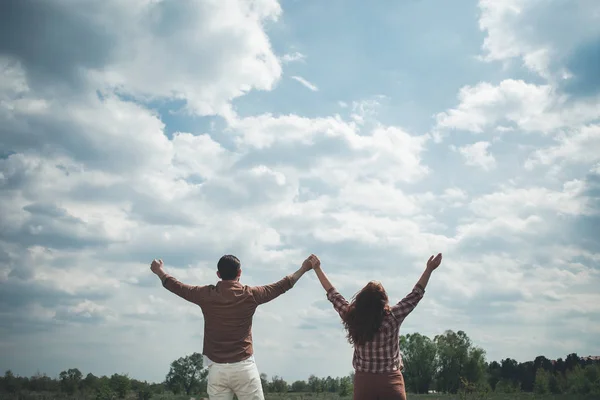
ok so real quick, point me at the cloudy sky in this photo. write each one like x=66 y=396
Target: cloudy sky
x=372 y=135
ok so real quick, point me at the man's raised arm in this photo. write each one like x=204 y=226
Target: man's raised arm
x=266 y=293
x=193 y=294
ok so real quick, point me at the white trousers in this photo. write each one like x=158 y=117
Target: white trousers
x=241 y=378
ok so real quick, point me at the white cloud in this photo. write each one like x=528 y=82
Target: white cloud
x=454 y=194
x=478 y=155
x=512 y=212
x=203 y=53
x=306 y=83
x=539 y=32
x=293 y=57
x=515 y=104
x=576 y=147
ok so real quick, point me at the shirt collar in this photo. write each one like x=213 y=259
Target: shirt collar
x=233 y=283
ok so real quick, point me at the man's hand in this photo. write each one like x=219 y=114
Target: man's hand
x=157 y=267
x=434 y=262
x=311 y=262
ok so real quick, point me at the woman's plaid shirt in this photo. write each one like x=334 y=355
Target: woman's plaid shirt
x=382 y=354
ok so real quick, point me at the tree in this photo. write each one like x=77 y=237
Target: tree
x=315 y=384
x=186 y=374
x=509 y=370
x=572 y=361
x=542 y=381
x=526 y=375
x=577 y=382
x=494 y=374
x=120 y=384
x=103 y=392
x=331 y=385
x=10 y=382
x=419 y=359
x=70 y=380
x=278 y=385
x=90 y=382
x=543 y=362
x=42 y=383
x=345 y=386
x=506 y=386
x=556 y=383
x=264 y=382
x=457 y=358
x=474 y=369
x=299 y=386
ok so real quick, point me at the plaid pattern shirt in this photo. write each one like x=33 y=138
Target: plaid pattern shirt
x=382 y=354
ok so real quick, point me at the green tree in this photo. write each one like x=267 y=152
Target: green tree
x=509 y=370
x=345 y=386
x=457 y=358
x=70 y=380
x=526 y=376
x=572 y=361
x=475 y=367
x=278 y=385
x=144 y=393
x=90 y=382
x=542 y=362
x=103 y=391
x=577 y=382
x=494 y=374
x=315 y=384
x=264 y=382
x=186 y=374
x=11 y=382
x=42 y=383
x=419 y=359
x=506 y=386
x=542 y=381
x=299 y=386
x=556 y=383
x=120 y=384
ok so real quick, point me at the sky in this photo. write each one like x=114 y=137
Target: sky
x=373 y=134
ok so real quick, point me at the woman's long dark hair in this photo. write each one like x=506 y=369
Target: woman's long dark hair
x=365 y=314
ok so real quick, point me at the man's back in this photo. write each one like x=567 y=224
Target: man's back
x=228 y=308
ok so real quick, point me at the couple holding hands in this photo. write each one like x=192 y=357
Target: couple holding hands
x=372 y=326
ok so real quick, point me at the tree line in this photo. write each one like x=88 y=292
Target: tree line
x=448 y=363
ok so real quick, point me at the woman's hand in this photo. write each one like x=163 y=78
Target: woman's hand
x=312 y=262
x=434 y=262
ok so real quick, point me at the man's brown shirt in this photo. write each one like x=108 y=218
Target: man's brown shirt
x=228 y=308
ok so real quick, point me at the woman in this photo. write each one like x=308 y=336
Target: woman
x=373 y=327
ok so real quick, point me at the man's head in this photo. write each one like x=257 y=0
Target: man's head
x=229 y=268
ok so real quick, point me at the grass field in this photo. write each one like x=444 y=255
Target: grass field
x=322 y=396
x=492 y=396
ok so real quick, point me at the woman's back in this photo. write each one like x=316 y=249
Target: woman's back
x=382 y=352
x=374 y=329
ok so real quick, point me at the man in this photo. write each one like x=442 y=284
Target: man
x=228 y=308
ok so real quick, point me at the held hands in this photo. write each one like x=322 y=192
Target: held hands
x=157 y=266
x=312 y=262
x=434 y=262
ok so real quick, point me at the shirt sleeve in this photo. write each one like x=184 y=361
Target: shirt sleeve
x=266 y=293
x=193 y=294
x=340 y=304
x=408 y=303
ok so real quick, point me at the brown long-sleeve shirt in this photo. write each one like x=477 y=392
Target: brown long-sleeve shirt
x=228 y=308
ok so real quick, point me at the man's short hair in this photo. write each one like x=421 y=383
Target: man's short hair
x=228 y=267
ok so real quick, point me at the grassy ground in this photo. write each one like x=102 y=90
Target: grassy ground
x=314 y=396
x=492 y=396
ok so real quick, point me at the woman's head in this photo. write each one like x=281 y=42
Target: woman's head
x=366 y=312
